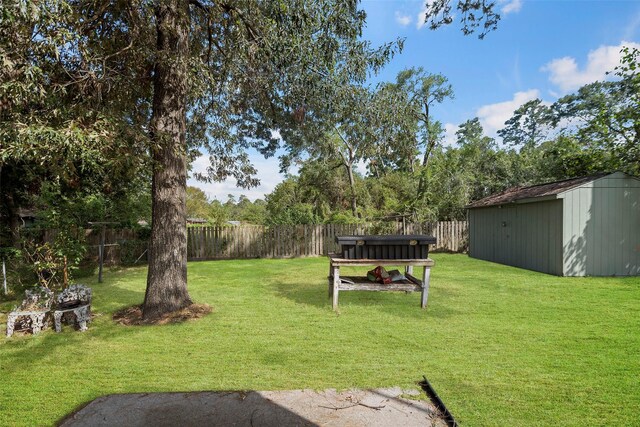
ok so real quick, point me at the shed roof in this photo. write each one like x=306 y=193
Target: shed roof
x=515 y=194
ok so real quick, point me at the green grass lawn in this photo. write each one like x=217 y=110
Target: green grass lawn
x=502 y=346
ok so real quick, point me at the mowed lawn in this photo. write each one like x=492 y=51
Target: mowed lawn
x=502 y=346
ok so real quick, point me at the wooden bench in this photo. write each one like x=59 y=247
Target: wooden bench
x=361 y=283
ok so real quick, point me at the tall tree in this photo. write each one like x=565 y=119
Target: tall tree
x=418 y=93
x=351 y=139
x=287 y=204
x=530 y=125
x=321 y=183
x=486 y=168
x=167 y=274
x=50 y=129
x=353 y=120
x=605 y=116
x=261 y=66
x=127 y=74
x=197 y=203
x=567 y=157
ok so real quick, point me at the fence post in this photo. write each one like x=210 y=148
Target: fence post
x=4 y=277
x=101 y=252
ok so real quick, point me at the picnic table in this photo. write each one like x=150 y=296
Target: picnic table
x=339 y=283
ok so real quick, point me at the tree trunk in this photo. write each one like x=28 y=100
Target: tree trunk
x=167 y=276
x=352 y=186
x=431 y=143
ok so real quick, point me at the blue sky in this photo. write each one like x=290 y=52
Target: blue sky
x=541 y=49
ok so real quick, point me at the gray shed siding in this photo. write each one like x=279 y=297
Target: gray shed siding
x=527 y=235
x=601 y=232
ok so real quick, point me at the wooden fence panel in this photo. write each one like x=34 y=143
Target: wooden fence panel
x=281 y=241
x=284 y=241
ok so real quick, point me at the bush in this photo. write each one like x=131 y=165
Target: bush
x=343 y=217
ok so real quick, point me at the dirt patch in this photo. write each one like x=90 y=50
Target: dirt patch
x=132 y=316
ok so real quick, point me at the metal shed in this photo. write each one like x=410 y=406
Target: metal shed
x=587 y=226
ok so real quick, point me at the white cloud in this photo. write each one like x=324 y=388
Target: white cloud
x=268 y=173
x=510 y=6
x=402 y=19
x=199 y=165
x=567 y=76
x=422 y=16
x=493 y=116
x=449 y=134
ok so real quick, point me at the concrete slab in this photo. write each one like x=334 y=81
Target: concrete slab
x=380 y=407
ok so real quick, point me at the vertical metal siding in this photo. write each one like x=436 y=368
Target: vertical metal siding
x=531 y=239
x=592 y=230
x=604 y=219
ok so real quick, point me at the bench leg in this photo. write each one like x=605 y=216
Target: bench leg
x=425 y=286
x=83 y=315
x=336 y=285
x=330 y=280
x=408 y=269
x=37 y=322
x=11 y=323
x=57 y=321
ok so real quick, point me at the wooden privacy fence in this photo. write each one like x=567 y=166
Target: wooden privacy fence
x=283 y=241
x=121 y=246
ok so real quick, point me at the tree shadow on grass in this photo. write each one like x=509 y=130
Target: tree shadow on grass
x=309 y=294
x=111 y=298
x=406 y=305
x=23 y=351
x=400 y=304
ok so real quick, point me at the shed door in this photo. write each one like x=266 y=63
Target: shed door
x=507 y=218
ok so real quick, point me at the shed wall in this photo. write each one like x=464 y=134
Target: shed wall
x=601 y=228
x=527 y=235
